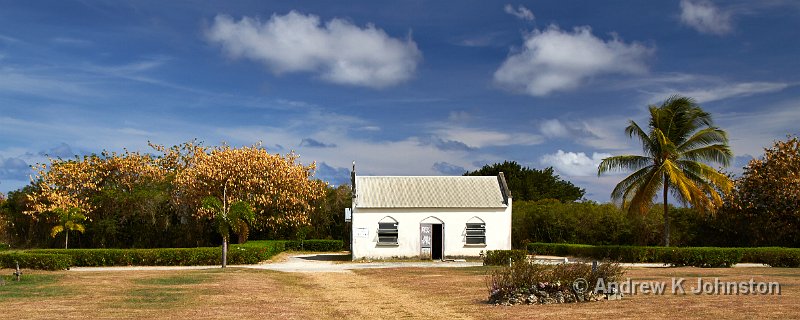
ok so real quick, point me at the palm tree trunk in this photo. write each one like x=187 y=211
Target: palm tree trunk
x=66 y=239
x=224 y=252
x=666 y=212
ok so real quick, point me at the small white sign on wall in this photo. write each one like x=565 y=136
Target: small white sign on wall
x=362 y=233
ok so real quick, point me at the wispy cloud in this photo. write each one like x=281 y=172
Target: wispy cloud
x=312 y=143
x=448 y=168
x=732 y=90
x=558 y=60
x=338 y=50
x=479 y=138
x=705 y=17
x=521 y=12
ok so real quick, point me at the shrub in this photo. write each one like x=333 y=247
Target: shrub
x=315 y=245
x=704 y=257
x=707 y=257
x=35 y=260
x=525 y=282
x=503 y=257
x=774 y=257
x=164 y=256
x=4 y=246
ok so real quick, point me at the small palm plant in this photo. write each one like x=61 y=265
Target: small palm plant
x=229 y=218
x=69 y=219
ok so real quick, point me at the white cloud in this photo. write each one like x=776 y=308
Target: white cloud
x=554 y=129
x=605 y=133
x=339 y=51
x=574 y=164
x=478 y=138
x=751 y=132
x=725 y=91
x=557 y=60
x=520 y=12
x=705 y=17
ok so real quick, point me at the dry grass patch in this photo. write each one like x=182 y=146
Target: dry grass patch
x=465 y=291
x=409 y=293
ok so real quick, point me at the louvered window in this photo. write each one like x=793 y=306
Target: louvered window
x=476 y=233
x=387 y=233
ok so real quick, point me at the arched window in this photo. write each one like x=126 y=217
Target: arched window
x=387 y=231
x=476 y=231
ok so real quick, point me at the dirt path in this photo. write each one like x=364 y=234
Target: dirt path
x=360 y=297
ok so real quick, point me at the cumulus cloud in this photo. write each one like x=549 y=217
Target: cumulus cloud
x=520 y=12
x=448 y=168
x=556 y=60
x=338 y=50
x=574 y=163
x=705 y=17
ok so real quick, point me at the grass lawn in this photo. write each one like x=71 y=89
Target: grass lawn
x=408 y=293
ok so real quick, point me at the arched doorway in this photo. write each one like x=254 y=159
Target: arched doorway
x=431 y=233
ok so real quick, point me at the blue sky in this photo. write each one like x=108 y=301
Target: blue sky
x=403 y=88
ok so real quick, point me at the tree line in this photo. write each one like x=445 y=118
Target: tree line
x=186 y=195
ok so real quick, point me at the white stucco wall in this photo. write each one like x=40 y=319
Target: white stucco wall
x=498 y=231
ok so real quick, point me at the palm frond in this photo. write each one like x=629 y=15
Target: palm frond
x=56 y=230
x=641 y=194
x=718 y=153
x=624 y=162
x=704 y=136
x=633 y=129
x=618 y=194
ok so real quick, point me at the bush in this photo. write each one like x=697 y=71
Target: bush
x=503 y=257
x=165 y=256
x=524 y=282
x=315 y=245
x=4 y=246
x=35 y=260
x=774 y=257
x=704 y=257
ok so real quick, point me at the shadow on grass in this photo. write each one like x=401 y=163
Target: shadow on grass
x=328 y=257
x=31 y=286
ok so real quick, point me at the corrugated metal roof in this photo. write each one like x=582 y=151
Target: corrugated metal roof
x=428 y=192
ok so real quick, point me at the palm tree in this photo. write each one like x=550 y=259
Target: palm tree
x=68 y=220
x=229 y=218
x=681 y=141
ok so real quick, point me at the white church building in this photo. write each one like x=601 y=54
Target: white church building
x=429 y=217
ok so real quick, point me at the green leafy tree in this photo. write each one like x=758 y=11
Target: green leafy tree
x=527 y=184
x=229 y=218
x=678 y=146
x=70 y=219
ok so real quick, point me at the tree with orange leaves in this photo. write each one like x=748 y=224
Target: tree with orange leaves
x=278 y=187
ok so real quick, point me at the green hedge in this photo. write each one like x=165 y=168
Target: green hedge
x=503 y=257
x=4 y=246
x=39 y=261
x=773 y=256
x=706 y=257
x=315 y=245
x=166 y=256
x=248 y=253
